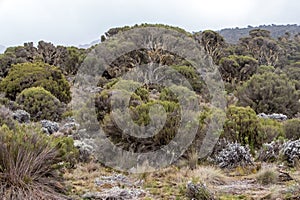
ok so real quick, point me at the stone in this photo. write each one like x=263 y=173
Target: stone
x=276 y=116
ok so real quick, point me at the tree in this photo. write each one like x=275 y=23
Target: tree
x=212 y=42
x=270 y=93
x=235 y=69
x=262 y=47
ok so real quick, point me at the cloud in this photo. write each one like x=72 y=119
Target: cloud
x=81 y=21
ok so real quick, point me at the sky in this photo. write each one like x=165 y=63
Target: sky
x=74 y=22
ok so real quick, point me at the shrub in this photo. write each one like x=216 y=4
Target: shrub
x=267 y=176
x=6 y=117
x=140 y=116
x=290 y=152
x=26 y=75
x=269 y=152
x=270 y=129
x=241 y=126
x=40 y=103
x=30 y=163
x=234 y=155
x=198 y=191
x=292 y=129
x=270 y=93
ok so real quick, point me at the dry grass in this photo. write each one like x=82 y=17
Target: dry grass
x=210 y=175
x=267 y=176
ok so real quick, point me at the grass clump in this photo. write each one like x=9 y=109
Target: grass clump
x=31 y=163
x=267 y=176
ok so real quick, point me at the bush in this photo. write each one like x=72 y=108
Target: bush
x=234 y=155
x=241 y=126
x=6 y=117
x=140 y=116
x=30 y=163
x=290 y=152
x=292 y=129
x=270 y=130
x=198 y=191
x=40 y=103
x=269 y=152
x=267 y=176
x=270 y=93
x=26 y=75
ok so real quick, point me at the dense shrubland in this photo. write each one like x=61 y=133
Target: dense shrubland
x=260 y=73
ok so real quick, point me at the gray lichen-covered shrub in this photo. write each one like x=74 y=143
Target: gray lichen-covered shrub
x=290 y=152
x=198 y=191
x=234 y=155
x=21 y=116
x=270 y=151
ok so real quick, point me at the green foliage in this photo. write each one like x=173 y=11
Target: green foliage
x=235 y=69
x=193 y=77
x=270 y=93
x=241 y=126
x=26 y=75
x=270 y=130
x=265 y=69
x=113 y=31
x=75 y=58
x=30 y=163
x=262 y=47
x=40 y=103
x=292 y=129
x=140 y=116
x=213 y=44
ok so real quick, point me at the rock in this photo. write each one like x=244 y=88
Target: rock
x=49 y=127
x=21 y=116
x=234 y=155
x=116 y=193
x=198 y=191
x=276 y=116
x=115 y=180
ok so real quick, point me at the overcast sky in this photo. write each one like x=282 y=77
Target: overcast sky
x=73 y=22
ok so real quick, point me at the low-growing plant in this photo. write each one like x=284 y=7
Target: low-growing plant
x=267 y=176
x=6 y=117
x=30 y=164
x=292 y=129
